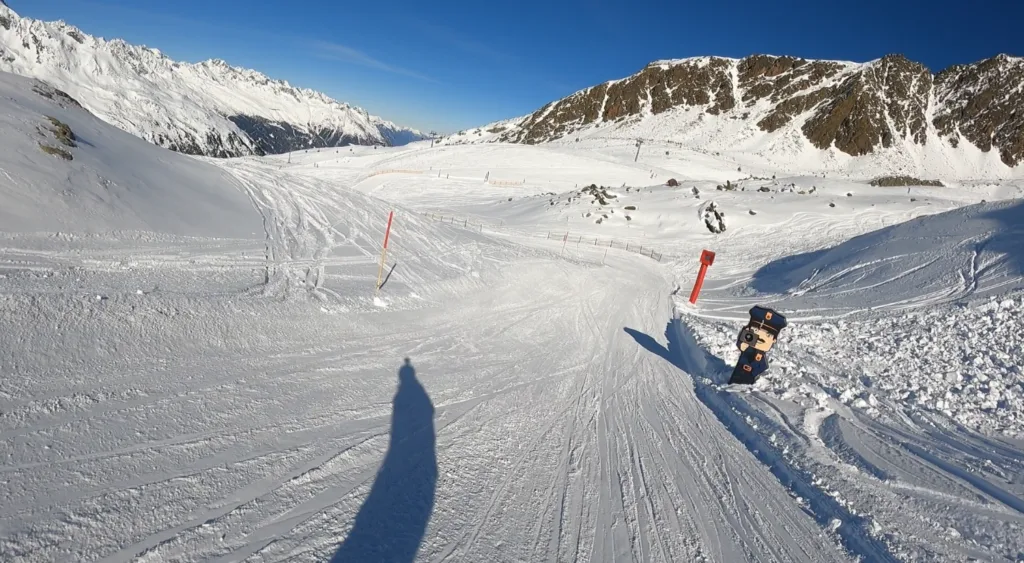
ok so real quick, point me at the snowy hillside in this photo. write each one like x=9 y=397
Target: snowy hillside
x=800 y=116
x=64 y=170
x=966 y=252
x=208 y=108
x=890 y=411
x=528 y=383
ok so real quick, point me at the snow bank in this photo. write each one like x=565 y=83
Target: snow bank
x=960 y=361
x=971 y=251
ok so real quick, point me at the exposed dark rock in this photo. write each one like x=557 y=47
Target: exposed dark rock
x=984 y=103
x=62 y=132
x=59 y=96
x=857 y=118
x=892 y=181
x=599 y=193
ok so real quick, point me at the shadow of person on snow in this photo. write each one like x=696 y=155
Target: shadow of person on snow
x=714 y=367
x=390 y=525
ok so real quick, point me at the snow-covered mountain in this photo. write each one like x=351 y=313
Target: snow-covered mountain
x=966 y=117
x=209 y=108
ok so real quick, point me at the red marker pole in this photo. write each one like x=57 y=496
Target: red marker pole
x=707 y=258
x=384 y=251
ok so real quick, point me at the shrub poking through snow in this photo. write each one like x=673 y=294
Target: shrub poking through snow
x=55 y=151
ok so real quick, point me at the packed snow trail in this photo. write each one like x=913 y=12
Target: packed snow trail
x=559 y=435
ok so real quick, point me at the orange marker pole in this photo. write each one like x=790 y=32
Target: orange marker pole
x=707 y=258
x=384 y=251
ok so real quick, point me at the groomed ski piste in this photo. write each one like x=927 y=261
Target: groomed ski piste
x=197 y=364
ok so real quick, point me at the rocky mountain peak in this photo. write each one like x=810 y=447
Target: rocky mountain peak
x=856 y=108
x=984 y=104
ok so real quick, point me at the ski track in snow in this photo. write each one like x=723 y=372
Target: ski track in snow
x=621 y=442
x=176 y=398
x=266 y=451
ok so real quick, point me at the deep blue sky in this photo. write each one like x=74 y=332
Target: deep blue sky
x=448 y=65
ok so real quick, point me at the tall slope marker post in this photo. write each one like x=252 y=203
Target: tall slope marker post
x=384 y=251
x=707 y=258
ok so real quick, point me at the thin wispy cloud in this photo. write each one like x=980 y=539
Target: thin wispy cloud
x=344 y=53
x=445 y=35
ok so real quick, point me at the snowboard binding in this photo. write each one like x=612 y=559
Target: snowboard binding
x=754 y=342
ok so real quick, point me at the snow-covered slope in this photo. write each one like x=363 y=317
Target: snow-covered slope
x=528 y=384
x=208 y=108
x=97 y=178
x=973 y=251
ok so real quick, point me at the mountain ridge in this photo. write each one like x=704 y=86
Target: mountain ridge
x=208 y=108
x=858 y=109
